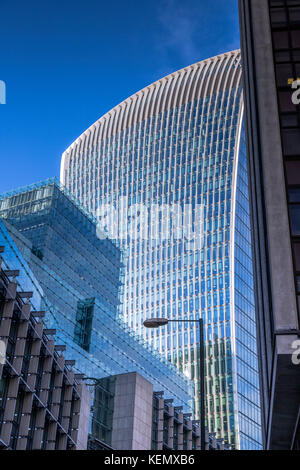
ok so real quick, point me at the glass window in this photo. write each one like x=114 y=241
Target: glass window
x=289 y=120
x=84 y=321
x=295 y=38
x=296 y=57
x=294 y=195
x=296 y=249
x=295 y=219
x=284 y=72
x=291 y=142
x=294 y=14
x=282 y=56
x=285 y=101
x=298 y=284
x=293 y=172
x=278 y=16
x=281 y=40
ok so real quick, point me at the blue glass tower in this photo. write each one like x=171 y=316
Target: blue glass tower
x=175 y=152
x=75 y=278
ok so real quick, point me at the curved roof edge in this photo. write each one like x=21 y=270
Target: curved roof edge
x=107 y=114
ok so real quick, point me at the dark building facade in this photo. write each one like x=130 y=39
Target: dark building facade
x=42 y=404
x=270 y=40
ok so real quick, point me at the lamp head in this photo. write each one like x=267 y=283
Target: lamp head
x=155 y=322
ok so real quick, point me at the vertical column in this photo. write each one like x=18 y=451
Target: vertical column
x=180 y=431
x=171 y=427
x=160 y=424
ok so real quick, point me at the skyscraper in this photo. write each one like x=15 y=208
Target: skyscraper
x=75 y=278
x=270 y=38
x=169 y=163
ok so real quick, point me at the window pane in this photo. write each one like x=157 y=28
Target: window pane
x=293 y=172
x=282 y=56
x=294 y=195
x=296 y=57
x=296 y=249
x=289 y=120
x=296 y=38
x=291 y=141
x=284 y=72
x=295 y=14
x=278 y=16
x=295 y=219
x=281 y=40
x=285 y=101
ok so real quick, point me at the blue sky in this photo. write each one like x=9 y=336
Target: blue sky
x=67 y=62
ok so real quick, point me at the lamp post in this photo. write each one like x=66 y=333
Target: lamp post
x=158 y=322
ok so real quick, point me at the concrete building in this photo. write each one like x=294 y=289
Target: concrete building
x=270 y=38
x=166 y=172
x=42 y=404
x=130 y=416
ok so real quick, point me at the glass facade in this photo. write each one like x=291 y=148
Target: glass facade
x=54 y=241
x=177 y=144
x=244 y=329
x=102 y=422
x=84 y=322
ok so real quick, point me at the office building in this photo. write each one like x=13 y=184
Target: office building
x=165 y=173
x=77 y=279
x=43 y=406
x=270 y=38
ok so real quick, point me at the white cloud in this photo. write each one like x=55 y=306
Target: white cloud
x=192 y=30
x=178 y=28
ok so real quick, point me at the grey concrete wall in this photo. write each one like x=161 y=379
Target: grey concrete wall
x=84 y=419
x=132 y=417
x=281 y=264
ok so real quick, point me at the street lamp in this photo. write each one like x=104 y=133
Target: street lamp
x=157 y=323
